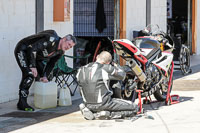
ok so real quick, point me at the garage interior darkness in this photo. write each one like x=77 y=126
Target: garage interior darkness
x=180 y=20
x=89 y=37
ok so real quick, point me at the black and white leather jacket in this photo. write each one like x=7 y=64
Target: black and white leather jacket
x=94 y=81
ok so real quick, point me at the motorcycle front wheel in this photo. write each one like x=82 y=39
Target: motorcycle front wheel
x=161 y=92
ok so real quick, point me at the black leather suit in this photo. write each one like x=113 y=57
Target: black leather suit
x=31 y=51
x=94 y=80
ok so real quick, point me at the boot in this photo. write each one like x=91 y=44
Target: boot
x=22 y=103
x=88 y=115
x=123 y=114
x=104 y=115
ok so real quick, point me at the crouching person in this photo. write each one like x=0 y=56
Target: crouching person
x=94 y=81
x=30 y=53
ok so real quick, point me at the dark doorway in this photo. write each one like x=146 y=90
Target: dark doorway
x=180 y=20
x=86 y=31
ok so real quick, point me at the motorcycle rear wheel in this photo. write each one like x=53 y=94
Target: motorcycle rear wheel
x=127 y=94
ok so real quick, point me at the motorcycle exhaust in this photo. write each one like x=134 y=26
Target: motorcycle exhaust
x=137 y=70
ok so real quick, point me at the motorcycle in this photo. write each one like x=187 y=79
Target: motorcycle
x=149 y=63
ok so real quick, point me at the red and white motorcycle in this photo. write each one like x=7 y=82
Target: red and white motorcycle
x=148 y=67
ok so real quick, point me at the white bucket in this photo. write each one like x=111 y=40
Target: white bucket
x=45 y=95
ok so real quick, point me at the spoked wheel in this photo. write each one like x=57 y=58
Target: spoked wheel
x=161 y=91
x=184 y=59
x=127 y=93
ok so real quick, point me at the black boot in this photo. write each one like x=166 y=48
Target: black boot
x=22 y=103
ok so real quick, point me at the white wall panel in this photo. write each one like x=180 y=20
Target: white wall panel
x=158 y=13
x=17 y=21
x=136 y=16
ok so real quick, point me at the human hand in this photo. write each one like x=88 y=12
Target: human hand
x=44 y=79
x=34 y=71
x=114 y=64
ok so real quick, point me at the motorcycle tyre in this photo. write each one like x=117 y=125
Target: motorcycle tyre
x=159 y=96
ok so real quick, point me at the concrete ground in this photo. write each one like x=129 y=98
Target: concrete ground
x=183 y=117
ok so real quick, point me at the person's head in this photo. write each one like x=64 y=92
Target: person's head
x=67 y=42
x=104 y=58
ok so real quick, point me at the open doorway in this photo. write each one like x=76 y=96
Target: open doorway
x=91 y=39
x=179 y=18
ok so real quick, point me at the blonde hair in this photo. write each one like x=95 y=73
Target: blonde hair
x=104 y=57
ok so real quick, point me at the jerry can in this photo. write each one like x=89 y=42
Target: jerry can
x=45 y=95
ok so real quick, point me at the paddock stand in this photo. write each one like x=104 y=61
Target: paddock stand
x=140 y=102
x=170 y=99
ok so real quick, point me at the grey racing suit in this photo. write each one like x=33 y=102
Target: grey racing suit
x=94 y=81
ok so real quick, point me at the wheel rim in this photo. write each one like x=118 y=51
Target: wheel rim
x=127 y=92
x=165 y=83
x=184 y=59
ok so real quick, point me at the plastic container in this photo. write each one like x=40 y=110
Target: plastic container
x=45 y=95
x=64 y=97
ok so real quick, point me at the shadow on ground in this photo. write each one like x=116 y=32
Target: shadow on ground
x=20 y=119
x=157 y=105
x=178 y=74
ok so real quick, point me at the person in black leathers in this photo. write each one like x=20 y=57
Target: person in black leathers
x=94 y=81
x=31 y=52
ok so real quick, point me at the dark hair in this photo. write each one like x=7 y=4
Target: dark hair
x=70 y=37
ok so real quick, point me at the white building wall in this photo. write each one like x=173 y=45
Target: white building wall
x=159 y=13
x=17 y=21
x=136 y=16
x=62 y=28
x=198 y=28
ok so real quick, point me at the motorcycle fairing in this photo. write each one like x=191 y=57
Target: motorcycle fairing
x=164 y=61
x=146 y=51
x=125 y=44
x=127 y=50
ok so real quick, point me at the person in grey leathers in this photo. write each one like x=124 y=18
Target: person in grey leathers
x=94 y=81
